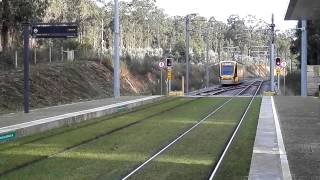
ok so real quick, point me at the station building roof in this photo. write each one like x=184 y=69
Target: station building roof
x=303 y=10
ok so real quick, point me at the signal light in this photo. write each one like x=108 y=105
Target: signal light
x=278 y=61
x=169 y=62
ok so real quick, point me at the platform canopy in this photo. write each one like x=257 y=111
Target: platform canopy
x=303 y=10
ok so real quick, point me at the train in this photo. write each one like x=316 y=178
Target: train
x=231 y=72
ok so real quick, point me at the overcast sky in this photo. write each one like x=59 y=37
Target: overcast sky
x=222 y=9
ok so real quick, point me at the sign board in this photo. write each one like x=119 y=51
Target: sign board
x=278 y=70
x=161 y=64
x=169 y=74
x=283 y=64
x=122 y=108
x=54 y=30
x=7 y=136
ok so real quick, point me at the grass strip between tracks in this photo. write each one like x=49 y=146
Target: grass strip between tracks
x=45 y=144
x=110 y=157
x=236 y=164
x=194 y=155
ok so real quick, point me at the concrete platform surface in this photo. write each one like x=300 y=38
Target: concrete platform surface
x=20 y=117
x=269 y=160
x=300 y=124
x=43 y=119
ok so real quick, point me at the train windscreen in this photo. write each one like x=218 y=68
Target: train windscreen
x=227 y=70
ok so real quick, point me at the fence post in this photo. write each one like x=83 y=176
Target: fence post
x=62 y=53
x=50 y=54
x=35 y=55
x=16 y=60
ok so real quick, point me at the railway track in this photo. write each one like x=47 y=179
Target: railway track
x=163 y=148
x=88 y=140
x=228 y=90
x=258 y=85
x=248 y=88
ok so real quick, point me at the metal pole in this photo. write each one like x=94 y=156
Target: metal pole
x=272 y=54
x=26 y=55
x=161 y=81
x=272 y=67
x=167 y=85
x=35 y=55
x=278 y=78
x=16 y=60
x=207 y=58
x=62 y=53
x=116 y=50
x=187 y=54
x=50 y=54
x=265 y=67
x=304 y=56
x=182 y=84
x=101 y=52
x=284 y=81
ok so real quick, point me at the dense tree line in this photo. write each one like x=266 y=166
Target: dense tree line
x=145 y=29
x=15 y=12
x=313 y=31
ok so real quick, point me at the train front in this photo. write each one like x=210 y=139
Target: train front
x=227 y=72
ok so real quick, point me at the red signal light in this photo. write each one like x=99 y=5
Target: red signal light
x=278 y=61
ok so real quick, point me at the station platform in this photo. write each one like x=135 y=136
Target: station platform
x=15 y=125
x=300 y=124
x=287 y=144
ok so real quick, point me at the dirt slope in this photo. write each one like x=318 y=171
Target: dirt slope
x=60 y=83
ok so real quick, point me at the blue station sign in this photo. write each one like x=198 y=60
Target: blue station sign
x=7 y=136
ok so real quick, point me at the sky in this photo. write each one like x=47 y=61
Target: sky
x=222 y=9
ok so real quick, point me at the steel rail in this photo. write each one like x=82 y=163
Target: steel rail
x=92 y=139
x=215 y=170
x=182 y=135
x=221 y=89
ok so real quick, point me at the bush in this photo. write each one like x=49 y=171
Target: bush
x=293 y=83
x=6 y=61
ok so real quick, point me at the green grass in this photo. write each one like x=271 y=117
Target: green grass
x=194 y=155
x=108 y=157
x=13 y=154
x=236 y=164
x=156 y=105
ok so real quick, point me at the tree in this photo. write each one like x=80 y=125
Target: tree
x=14 y=13
x=313 y=41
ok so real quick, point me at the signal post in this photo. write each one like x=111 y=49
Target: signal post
x=169 y=64
x=278 y=71
x=281 y=67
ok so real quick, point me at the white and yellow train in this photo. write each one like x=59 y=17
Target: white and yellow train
x=231 y=72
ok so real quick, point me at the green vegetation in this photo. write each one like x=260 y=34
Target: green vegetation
x=194 y=155
x=293 y=84
x=107 y=157
x=148 y=35
x=236 y=164
x=146 y=31
x=43 y=145
x=313 y=43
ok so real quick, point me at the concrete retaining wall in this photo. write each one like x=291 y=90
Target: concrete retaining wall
x=41 y=125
